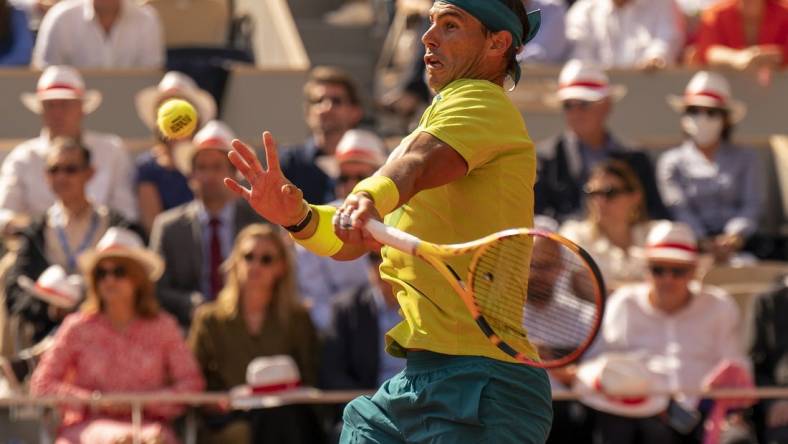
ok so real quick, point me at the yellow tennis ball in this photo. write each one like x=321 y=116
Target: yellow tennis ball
x=176 y=119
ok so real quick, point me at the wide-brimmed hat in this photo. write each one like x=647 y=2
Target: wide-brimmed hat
x=122 y=243
x=709 y=89
x=54 y=287
x=671 y=241
x=214 y=135
x=583 y=81
x=61 y=83
x=616 y=383
x=363 y=146
x=178 y=85
x=270 y=375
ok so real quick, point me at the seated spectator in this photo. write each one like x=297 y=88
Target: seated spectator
x=118 y=342
x=62 y=102
x=101 y=34
x=565 y=161
x=743 y=35
x=708 y=182
x=16 y=40
x=768 y=349
x=258 y=313
x=160 y=185
x=70 y=227
x=614 y=229
x=639 y=34
x=196 y=237
x=332 y=106
x=320 y=279
x=193 y=22
x=35 y=9
x=549 y=46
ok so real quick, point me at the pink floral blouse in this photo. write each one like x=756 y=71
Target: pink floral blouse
x=89 y=355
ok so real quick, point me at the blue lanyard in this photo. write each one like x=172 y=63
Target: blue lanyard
x=71 y=258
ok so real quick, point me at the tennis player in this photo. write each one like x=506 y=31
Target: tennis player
x=466 y=171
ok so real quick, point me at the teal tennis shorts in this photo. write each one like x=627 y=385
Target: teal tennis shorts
x=453 y=399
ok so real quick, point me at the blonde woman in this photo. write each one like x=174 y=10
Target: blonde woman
x=257 y=313
x=118 y=342
x=614 y=229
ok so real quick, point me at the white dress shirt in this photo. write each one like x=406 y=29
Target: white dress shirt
x=683 y=347
x=622 y=37
x=24 y=188
x=70 y=34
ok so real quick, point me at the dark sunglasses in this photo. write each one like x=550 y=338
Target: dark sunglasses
x=69 y=170
x=118 y=272
x=607 y=193
x=344 y=178
x=677 y=272
x=572 y=104
x=264 y=259
x=334 y=100
x=711 y=112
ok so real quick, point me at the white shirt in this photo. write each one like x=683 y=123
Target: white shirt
x=24 y=188
x=70 y=34
x=684 y=346
x=609 y=36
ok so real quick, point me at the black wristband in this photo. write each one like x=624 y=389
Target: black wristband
x=301 y=225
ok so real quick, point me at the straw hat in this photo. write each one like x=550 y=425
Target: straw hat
x=61 y=83
x=709 y=89
x=611 y=383
x=214 y=135
x=583 y=81
x=174 y=84
x=671 y=241
x=54 y=287
x=122 y=243
x=361 y=146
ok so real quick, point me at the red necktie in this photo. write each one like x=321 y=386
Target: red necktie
x=217 y=280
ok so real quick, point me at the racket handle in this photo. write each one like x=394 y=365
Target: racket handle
x=392 y=237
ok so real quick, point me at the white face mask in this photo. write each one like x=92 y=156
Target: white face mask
x=702 y=128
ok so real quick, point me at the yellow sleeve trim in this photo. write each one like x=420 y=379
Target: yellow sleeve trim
x=324 y=242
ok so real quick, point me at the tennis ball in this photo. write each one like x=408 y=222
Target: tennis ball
x=176 y=119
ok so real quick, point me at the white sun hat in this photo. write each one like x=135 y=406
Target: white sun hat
x=61 y=83
x=709 y=89
x=54 y=287
x=174 y=84
x=214 y=135
x=122 y=243
x=359 y=145
x=671 y=241
x=618 y=383
x=584 y=81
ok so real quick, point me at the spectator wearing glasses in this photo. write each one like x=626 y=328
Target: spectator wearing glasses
x=687 y=334
x=616 y=223
x=118 y=342
x=71 y=226
x=331 y=107
x=258 y=313
x=565 y=161
x=320 y=279
x=708 y=182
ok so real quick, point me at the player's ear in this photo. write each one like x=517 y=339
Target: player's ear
x=500 y=42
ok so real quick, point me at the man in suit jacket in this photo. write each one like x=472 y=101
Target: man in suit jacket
x=196 y=237
x=565 y=161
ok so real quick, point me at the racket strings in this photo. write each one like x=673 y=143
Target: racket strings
x=539 y=286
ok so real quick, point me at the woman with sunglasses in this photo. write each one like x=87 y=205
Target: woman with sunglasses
x=118 y=342
x=257 y=313
x=614 y=229
x=707 y=182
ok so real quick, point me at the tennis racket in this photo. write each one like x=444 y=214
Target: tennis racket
x=536 y=295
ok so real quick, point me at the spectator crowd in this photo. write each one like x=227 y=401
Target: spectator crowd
x=149 y=275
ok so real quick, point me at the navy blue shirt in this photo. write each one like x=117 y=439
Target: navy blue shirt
x=300 y=167
x=172 y=185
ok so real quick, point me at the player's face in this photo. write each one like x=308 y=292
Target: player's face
x=455 y=46
x=62 y=117
x=329 y=109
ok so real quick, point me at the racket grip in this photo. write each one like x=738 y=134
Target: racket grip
x=392 y=237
